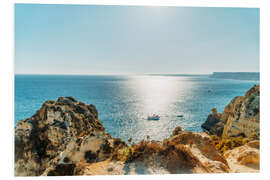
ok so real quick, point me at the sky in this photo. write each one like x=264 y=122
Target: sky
x=89 y=39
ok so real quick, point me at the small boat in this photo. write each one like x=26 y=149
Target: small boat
x=180 y=115
x=153 y=117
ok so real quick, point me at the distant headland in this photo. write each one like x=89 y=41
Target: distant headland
x=236 y=75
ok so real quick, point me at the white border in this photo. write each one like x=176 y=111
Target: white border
x=7 y=70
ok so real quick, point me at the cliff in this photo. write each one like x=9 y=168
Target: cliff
x=236 y=131
x=44 y=140
x=243 y=114
x=241 y=117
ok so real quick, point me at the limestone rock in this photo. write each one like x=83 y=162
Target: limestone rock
x=243 y=115
x=200 y=149
x=214 y=123
x=177 y=130
x=240 y=116
x=185 y=152
x=41 y=138
x=244 y=158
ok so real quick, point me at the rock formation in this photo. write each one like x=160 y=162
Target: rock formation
x=236 y=131
x=243 y=114
x=53 y=132
x=214 y=123
x=240 y=116
x=185 y=152
x=244 y=158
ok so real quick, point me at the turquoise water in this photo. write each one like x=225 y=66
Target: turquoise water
x=124 y=102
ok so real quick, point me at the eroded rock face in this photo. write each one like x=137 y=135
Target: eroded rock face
x=200 y=151
x=244 y=158
x=243 y=115
x=53 y=128
x=184 y=152
x=240 y=116
x=214 y=123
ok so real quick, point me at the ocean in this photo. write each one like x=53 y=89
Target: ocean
x=124 y=102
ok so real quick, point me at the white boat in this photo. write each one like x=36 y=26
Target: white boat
x=153 y=117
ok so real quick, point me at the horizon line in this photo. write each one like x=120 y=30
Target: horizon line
x=98 y=74
x=138 y=73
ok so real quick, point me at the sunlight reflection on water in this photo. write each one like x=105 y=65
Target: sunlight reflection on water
x=124 y=102
x=157 y=94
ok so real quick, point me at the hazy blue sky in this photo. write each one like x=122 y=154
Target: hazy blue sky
x=73 y=39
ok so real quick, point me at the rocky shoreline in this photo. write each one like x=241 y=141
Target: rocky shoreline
x=239 y=118
x=65 y=137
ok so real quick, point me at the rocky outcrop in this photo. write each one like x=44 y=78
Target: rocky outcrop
x=184 y=152
x=236 y=131
x=244 y=158
x=240 y=116
x=243 y=115
x=214 y=123
x=195 y=151
x=43 y=139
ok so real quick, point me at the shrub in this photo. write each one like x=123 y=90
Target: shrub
x=230 y=143
x=215 y=139
x=255 y=136
x=124 y=154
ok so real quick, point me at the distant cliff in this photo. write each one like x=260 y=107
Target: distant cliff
x=236 y=75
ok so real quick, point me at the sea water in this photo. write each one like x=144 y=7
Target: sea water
x=124 y=102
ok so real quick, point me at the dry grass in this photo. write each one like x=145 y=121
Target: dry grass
x=223 y=145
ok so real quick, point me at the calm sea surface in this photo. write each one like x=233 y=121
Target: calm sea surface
x=124 y=102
